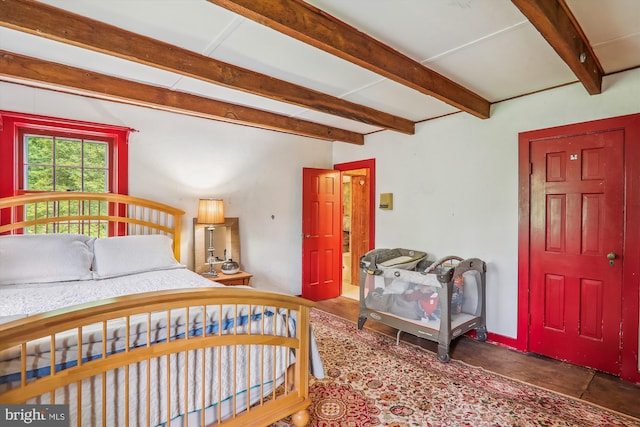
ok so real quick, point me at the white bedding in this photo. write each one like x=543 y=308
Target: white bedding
x=32 y=298
x=21 y=300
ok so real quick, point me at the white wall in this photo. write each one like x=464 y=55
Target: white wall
x=455 y=182
x=176 y=159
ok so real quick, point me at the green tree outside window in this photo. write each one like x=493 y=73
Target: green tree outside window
x=66 y=164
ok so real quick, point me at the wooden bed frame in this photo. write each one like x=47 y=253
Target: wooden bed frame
x=121 y=215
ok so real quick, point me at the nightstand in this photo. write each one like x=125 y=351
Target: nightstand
x=240 y=278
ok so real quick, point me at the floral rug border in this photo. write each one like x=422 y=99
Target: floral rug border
x=490 y=391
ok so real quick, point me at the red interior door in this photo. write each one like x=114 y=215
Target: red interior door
x=576 y=224
x=321 y=234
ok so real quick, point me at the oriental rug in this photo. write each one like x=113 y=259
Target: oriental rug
x=371 y=381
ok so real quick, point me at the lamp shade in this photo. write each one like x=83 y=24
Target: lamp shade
x=210 y=211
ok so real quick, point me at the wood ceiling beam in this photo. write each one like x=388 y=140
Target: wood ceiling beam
x=47 y=21
x=313 y=26
x=116 y=89
x=556 y=23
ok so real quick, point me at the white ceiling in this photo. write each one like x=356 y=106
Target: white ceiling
x=487 y=46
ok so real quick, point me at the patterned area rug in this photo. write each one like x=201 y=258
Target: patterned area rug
x=371 y=381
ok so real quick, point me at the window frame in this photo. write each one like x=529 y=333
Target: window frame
x=13 y=125
x=56 y=136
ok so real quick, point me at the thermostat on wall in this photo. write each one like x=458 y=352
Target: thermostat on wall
x=386 y=201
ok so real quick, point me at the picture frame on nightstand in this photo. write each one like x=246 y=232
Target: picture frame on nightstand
x=226 y=241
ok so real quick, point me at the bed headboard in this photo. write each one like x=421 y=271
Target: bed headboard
x=91 y=214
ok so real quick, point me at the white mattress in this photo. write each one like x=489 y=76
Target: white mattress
x=29 y=299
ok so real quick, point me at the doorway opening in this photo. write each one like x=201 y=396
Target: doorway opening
x=358 y=222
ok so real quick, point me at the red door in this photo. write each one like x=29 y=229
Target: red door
x=576 y=248
x=321 y=234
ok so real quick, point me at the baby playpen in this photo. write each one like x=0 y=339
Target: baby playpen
x=438 y=301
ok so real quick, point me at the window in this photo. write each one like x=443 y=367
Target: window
x=40 y=153
x=52 y=163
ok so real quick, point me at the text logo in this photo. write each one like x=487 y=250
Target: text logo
x=34 y=415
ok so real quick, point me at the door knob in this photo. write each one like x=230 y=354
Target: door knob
x=611 y=256
x=306 y=236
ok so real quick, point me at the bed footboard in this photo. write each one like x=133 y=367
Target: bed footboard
x=192 y=357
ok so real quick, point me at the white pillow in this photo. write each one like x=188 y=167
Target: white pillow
x=119 y=256
x=42 y=258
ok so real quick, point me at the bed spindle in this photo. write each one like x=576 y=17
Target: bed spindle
x=52 y=372
x=248 y=347
x=219 y=365
x=148 y=369
x=263 y=374
x=202 y=363
x=187 y=329
x=127 y=336
x=168 y=359
x=79 y=382
x=104 y=374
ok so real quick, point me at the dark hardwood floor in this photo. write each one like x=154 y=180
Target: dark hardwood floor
x=576 y=381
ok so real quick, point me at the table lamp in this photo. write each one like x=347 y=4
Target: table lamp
x=211 y=212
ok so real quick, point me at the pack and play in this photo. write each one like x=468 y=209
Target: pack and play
x=438 y=301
